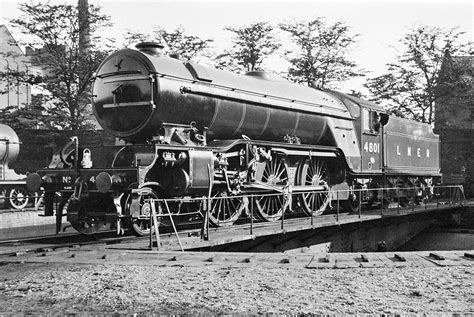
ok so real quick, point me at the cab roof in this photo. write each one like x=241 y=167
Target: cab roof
x=354 y=104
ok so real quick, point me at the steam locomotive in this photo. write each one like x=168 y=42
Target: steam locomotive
x=187 y=131
x=12 y=185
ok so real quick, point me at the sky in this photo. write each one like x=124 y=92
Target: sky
x=380 y=23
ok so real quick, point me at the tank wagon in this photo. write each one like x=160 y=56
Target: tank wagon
x=12 y=185
x=191 y=131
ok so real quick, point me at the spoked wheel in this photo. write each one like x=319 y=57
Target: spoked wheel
x=314 y=172
x=18 y=198
x=272 y=207
x=139 y=208
x=85 y=224
x=3 y=198
x=225 y=210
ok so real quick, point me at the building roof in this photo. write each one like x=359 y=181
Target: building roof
x=11 y=55
x=7 y=43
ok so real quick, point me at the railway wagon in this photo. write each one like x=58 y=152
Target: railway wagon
x=187 y=131
x=12 y=185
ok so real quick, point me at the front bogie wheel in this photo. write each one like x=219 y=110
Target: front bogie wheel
x=80 y=220
x=139 y=211
x=225 y=209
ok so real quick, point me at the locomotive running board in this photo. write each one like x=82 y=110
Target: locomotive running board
x=316 y=153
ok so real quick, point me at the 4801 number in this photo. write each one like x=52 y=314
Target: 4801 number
x=372 y=147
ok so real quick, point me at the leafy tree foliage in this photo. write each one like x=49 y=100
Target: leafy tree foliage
x=251 y=45
x=24 y=118
x=66 y=66
x=179 y=44
x=411 y=81
x=321 y=54
x=455 y=93
x=133 y=37
x=176 y=42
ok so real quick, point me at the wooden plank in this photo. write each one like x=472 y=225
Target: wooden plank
x=436 y=256
x=371 y=260
x=400 y=257
x=469 y=255
x=320 y=261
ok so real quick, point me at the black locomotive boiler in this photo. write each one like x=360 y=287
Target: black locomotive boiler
x=187 y=131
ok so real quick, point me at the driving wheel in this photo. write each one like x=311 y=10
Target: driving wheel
x=314 y=172
x=270 y=207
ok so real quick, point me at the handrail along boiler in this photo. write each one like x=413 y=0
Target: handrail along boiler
x=188 y=130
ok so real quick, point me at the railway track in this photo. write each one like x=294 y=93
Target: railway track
x=51 y=242
x=64 y=240
x=106 y=248
x=115 y=255
x=48 y=243
x=191 y=232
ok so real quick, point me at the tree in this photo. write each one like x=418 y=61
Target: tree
x=179 y=44
x=176 y=43
x=131 y=37
x=251 y=45
x=410 y=83
x=24 y=118
x=455 y=93
x=321 y=54
x=66 y=66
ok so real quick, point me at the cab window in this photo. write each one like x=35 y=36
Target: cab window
x=365 y=119
x=375 y=122
x=371 y=121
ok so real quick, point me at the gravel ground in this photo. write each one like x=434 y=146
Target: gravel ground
x=97 y=289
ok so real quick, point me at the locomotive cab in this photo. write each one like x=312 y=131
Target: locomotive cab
x=371 y=140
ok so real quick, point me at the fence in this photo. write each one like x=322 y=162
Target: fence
x=400 y=201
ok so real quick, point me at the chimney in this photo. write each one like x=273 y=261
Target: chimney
x=151 y=48
x=84 y=30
